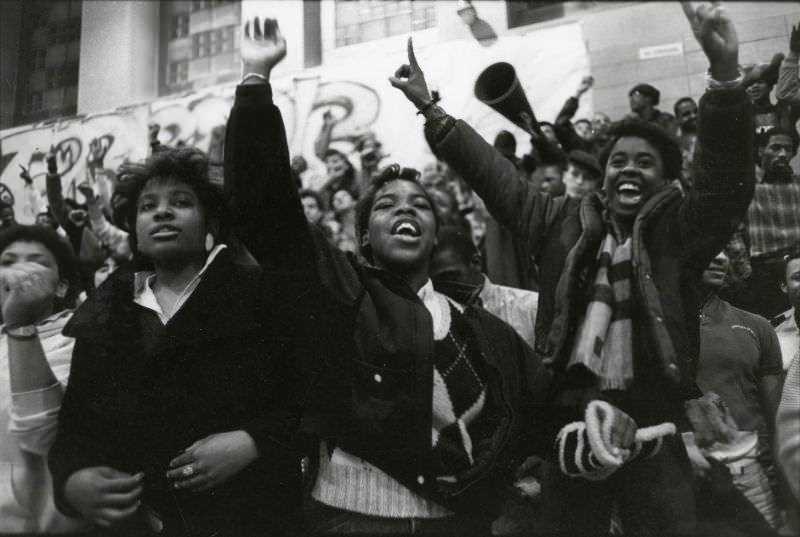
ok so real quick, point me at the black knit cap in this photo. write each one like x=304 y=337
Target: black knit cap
x=648 y=91
x=586 y=161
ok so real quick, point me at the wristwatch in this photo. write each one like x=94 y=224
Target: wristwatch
x=22 y=332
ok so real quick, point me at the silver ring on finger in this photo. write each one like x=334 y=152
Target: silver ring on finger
x=188 y=471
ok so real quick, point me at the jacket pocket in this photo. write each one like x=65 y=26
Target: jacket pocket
x=382 y=396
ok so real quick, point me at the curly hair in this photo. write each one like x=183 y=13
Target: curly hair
x=59 y=247
x=187 y=165
x=665 y=143
x=364 y=205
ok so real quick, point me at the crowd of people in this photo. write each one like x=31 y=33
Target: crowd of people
x=599 y=337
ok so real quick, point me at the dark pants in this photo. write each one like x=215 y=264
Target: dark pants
x=654 y=496
x=326 y=521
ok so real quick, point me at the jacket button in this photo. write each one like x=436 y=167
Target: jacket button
x=421 y=479
x=659 y=319
x=647 y=276
x=378 y=378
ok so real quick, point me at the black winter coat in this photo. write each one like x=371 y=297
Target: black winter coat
x=226 y=361
x=365 y=322
x=674 y=239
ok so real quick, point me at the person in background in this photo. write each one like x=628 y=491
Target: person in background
x=786 y=323
x=773 y=224
x=343 y=206
x=341 y=174
x=582 y=175
x=7 y=216
x=506 y=144
x=686 y=113
x=37 y=291
x=643 y=100
x=740 y=361
x=759 y=81
x=788 y=87
x=787 y=440
x=577 y=135
x=456 y=272
x=184 y=394
x=312 y=206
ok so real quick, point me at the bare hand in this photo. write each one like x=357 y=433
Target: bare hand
x=97 y=152
x=527 y=122
x=263 y=46
x=586 y=83
x=88 y=192
x=716 y=33
x=794 y=39
x=50 y=158
x=104 y=495
x=28 y=292
x=212 y=460
x=410 y=79
x=152 y=132
x=25 y=175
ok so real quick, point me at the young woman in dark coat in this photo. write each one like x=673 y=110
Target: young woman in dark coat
x=184 y=393
x=421 y=407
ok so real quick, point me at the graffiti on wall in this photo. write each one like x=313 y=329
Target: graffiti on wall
x=356 y=94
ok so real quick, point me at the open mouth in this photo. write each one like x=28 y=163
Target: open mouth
x=629 y=193
x=164 y=232
x=406 y=228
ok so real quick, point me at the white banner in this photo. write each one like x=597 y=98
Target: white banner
x=549 y=64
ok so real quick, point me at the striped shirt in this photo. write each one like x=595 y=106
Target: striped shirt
x=774 y=218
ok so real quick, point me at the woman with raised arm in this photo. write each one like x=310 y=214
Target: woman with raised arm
x=183 y=397
x=38 y=280
x=421 y=407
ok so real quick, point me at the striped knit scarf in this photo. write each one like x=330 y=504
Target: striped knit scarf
x=604 y=342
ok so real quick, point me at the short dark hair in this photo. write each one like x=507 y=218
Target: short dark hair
x=364 y=205
x=680 y=102
x=308 y=193
x=458 y=240
x=763 y=138
x=58 y=246
x=187 y=165
x=665 y=143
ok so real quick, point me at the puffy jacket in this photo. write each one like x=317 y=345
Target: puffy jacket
x=674 y=239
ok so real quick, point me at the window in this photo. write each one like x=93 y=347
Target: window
x=197 y=5
x=524 y=13
x=178 y=72
x=59 y=77
x=201 y=44
x=358 y=21
x=39 y=57
x=180 y=26
x=33 y=101
x=214 y=42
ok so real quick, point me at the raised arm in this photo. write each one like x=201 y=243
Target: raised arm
x=512 y=200
x=724 y=168
x=264 y=205
x=563 y=125
x=788 y=87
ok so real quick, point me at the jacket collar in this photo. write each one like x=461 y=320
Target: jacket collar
x=218 y=308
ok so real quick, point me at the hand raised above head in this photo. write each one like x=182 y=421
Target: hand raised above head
x=714 y=30
x=263 y=46
x=410 y=79
x=794 y=39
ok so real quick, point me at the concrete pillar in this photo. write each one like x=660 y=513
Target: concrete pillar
x=119 y=54
x=10 y=13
